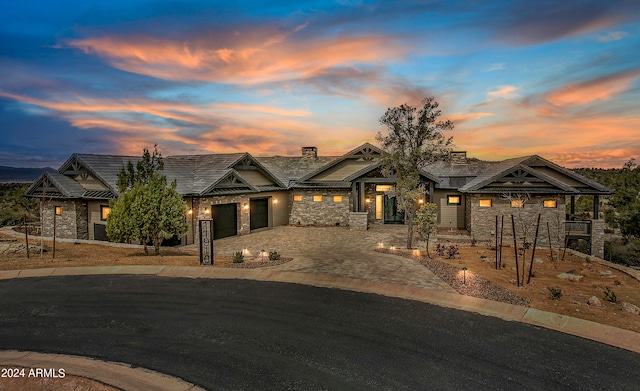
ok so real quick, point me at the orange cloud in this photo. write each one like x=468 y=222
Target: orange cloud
x=270 y=56
x=503 y=92
x=602 y=88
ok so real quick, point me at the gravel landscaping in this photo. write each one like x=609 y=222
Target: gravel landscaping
x=470 y=285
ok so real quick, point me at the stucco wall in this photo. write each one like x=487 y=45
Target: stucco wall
x=322 y=213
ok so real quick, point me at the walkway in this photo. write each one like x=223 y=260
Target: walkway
x=337 y=251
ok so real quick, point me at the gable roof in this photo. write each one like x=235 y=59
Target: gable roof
x=523 y=168
x=365 y=151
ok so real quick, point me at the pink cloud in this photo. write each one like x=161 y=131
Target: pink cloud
x=252 y=57
x=601 y=88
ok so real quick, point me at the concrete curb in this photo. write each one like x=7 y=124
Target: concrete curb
x=114 y=374
x=609 y=335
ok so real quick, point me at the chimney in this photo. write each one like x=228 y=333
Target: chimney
x=309 y=153
x=459 y=157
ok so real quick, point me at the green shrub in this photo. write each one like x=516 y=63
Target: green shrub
x=238 y=257
x=617 y=251
x=555 y=293
x=610 y=295
x=274 y=255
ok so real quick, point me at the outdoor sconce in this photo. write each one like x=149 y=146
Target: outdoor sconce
x=190 y=211
x=368 y=200
x=420 y=201
x=464 y=275
x=245 y=206
x=275 y=201
x=206 y=211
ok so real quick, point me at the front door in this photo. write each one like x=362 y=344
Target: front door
x=391 y=213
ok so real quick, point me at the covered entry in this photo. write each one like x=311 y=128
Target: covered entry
x=225 y=220
x=258 y=213
x=392 y=215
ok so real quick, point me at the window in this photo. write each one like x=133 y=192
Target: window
x=550 y=203
x=337 y=198
x=104 y=212
x=485 y=203
x=297 y=197
x=382 y=188
x=517 y=203
x=317 y=198
x=58 y=210
x=453 y=200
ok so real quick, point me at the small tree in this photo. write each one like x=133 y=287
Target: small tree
x=147 y=208
x=415 y=138
x=426 y=222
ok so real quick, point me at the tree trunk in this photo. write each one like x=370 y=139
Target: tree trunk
x=410 y=233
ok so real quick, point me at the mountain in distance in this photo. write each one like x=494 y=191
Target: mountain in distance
x=22 y=174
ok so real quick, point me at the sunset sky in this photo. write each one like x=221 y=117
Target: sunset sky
x=560 y=79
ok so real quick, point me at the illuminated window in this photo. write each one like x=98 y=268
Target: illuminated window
x=382 y=188
x=104 y=212
x=517 y=203
x=550 y=203
x=317 y=198
x=453 y=200
x=58 y=210
x=337 y=198
x=485 y=203
x=297 y=198
x=379 y=207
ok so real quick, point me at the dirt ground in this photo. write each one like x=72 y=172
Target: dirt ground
x=69 y=382
x=478 y=260
x=575 y=294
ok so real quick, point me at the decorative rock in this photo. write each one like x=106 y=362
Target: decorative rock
x=594 y=301
x=630 y=308
x=571 y=275
x=538 y=260
x=606 y=273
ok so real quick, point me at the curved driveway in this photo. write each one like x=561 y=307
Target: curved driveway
x=238 y=334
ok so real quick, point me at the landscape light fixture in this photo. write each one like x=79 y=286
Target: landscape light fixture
x=262 y=253
x=464 y=275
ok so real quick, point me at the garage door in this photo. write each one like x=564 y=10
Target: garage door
x=225 y=220
x=259 y=213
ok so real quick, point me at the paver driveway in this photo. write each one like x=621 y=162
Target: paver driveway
x=338 y=251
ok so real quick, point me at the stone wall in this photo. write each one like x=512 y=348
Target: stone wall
x=597 y=238
x=358 y=221
x=327 y=212
x=66 y=223
x=481 y=222
x=82 y=220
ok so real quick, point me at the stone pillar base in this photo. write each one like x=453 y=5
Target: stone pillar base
x=358 y=221
x=597 y=238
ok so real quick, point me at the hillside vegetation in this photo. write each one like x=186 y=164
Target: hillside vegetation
x=621 y=210
x=14 y=206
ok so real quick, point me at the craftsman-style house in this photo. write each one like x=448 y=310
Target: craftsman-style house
x=242 y=193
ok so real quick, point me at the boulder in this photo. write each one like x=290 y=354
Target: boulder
x=594 y=301
x=538 y=260
x=571 y=275
x=630 y=308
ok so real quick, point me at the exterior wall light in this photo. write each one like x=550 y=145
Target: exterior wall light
x=245 y=206
x=190 y=211
x=206 y=211
x=275 y=201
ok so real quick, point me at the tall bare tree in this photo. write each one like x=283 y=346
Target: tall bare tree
x=415 y=138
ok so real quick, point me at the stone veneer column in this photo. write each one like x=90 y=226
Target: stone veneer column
x=597 y=238
x=358 y=221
